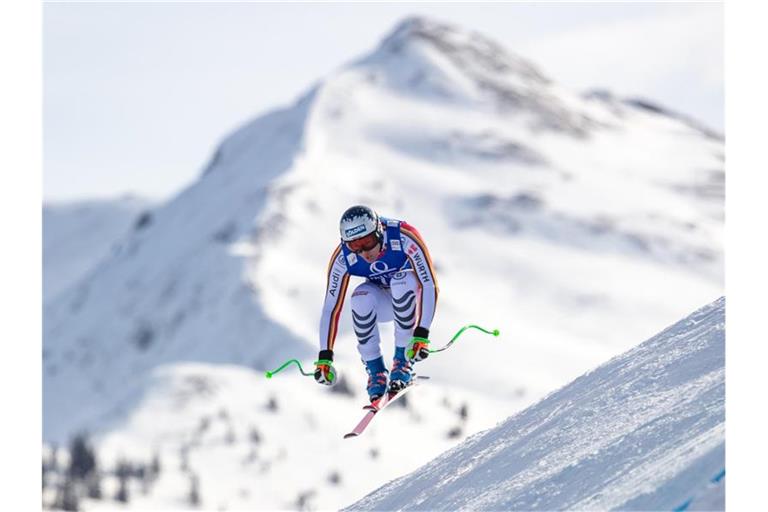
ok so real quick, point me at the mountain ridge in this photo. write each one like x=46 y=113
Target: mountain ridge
x=231 y=270
x=574 y=245
x=78 y=233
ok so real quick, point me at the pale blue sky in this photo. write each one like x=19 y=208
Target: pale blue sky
x=138 y=95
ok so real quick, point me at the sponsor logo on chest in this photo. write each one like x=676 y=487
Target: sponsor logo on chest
x=380 y=267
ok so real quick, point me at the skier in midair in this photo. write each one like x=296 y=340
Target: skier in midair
x=399 y=285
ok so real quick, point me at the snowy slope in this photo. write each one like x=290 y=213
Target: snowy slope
x=175 y=289
x=575 y=224
x=645 y=431
x=77 y=235
x=258 y=444
x=571 y=222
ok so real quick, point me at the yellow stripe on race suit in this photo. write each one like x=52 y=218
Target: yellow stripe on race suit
x=336 y=314
x=333 y=324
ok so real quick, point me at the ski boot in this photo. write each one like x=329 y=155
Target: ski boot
x=377 y=378
x=402 y=371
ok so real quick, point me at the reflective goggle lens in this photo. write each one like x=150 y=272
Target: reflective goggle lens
x=366 y=243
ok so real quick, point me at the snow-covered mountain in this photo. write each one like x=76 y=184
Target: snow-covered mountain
x=576 y=224
x=257 y=444
x=645 y=431
x=77 y=235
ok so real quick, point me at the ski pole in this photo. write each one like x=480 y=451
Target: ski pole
x=494 y=332
x=306 y=374
x=461 y=331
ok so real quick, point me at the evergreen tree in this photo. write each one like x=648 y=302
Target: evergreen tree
x=155 y=466
x=464 y=412
x=53 y=461
x=124 y=469
x=139 y=471
x=123 y=472
x=122 y=491
x=303 y=499
x=94 y=486
x=142 y=473
x=184 y=456
x=45 y=474
x=454 y=432
x=334 y=477
x=66 y=496
x=82 y=458
x=205 y=423
x=194 y=490
x=254 y=435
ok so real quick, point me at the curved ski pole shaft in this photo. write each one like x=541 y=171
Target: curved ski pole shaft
x=494 y=332
x=285 y=364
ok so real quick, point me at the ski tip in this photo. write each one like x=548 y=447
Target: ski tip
x=351 y=434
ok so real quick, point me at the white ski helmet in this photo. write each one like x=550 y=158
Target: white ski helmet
x=358 y=222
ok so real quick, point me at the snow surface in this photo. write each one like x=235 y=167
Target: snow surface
x=576 y=225
x=260 y=445
x=645 y=431
x=77 y=235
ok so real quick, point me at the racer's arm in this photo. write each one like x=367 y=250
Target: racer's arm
x=335 y=290
x=418 y=254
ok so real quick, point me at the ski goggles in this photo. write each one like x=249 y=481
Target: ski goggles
x=366 y=243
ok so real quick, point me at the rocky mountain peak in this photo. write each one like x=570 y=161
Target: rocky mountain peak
x=468 y=50
x=441 y=62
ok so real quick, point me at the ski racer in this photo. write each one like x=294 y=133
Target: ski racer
x=399 y=285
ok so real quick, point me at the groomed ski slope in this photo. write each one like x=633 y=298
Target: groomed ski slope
x=645 y=431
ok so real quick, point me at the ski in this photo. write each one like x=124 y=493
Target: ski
x=373 y=408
